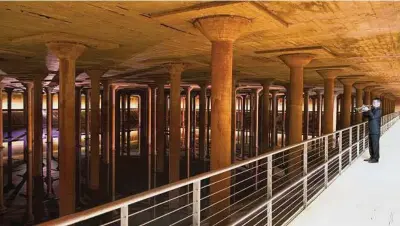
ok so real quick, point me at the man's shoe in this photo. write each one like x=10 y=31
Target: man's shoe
x=367 y=160
x=373 y=161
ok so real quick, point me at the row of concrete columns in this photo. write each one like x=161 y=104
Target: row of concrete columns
x=222 y=31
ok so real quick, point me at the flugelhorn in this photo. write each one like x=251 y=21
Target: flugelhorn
x=360 y=109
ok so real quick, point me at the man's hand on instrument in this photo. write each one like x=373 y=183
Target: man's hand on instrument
x=365 y=109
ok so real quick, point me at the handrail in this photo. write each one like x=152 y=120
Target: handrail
x=125 y=202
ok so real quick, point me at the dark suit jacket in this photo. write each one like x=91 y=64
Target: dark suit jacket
x=374 y=121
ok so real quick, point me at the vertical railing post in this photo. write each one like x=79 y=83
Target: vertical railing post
x=363 y=137
x=196 y=203
x=340 y=152
x=269 y=213
x=269 y=190
x=269 y=177
x=358 y=140
x=124 y=216
x=305 y=171
x=326 y=161
x=350 y=144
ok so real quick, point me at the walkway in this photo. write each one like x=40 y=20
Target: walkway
x=366 y=194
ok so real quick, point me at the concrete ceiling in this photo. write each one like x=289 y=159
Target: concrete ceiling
x=132 y=39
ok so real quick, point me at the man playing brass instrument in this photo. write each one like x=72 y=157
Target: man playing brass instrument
x=374 y=124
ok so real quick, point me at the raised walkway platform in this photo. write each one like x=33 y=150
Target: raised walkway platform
x=365 y=195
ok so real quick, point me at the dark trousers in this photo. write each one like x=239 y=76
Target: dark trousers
x=374 y=146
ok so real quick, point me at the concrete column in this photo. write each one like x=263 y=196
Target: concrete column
x=296 y=62
x=105 y=108
x=10 y=184
x=319 y=113
x=233 y=119
x=391 y=106
x=175 y=71
x=95 y=76
x=29 y=167
x=283 y=143
x=286 y=111
x=255 y=107
x=243 y=129
x=87 y=130
x=202 y=120
x=187 y=128
x=49 y=109
x=123 y=117
x=38 y=184
x=329 y=98
x=274 y=135
x=112 y=135
x=38 y=128
x=128 y=124
x=78 y=168
x=67 y=54
x=359 y=100
x=384 y=104
x=26 y=125
x=2 y=206
x=306 y=119
x=367 y=95
x=313 y=121
x=222 y=31
x=150 y=133
x=346 y=110
x=160 y=126
x=266 y=113
x=335 y=106
x=152 y=130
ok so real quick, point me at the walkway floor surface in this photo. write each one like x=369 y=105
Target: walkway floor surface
x=365 y=195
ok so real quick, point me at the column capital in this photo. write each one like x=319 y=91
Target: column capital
x=28 y=84
x=160 y=81
x=105 y=82
x=297 y=60
x=286 y=86
x=347 y=81
x=95 y=73
x=175 y=68
x=203 y=84
x=152 y=86
x=378 y=91
x=267 y=82
x=8 y=89
x=48 y=89
x=274 y=92
x=319 y=92
x=329 y=73
x=361 y=85
x=370 y=88
x=66 y=50
x=307 y=89
x=114 y=86
x=222 y=27
x=188 y=88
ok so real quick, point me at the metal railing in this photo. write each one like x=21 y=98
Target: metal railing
x=270 y=189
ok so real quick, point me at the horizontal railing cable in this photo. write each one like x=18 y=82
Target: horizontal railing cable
x=270 y=189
